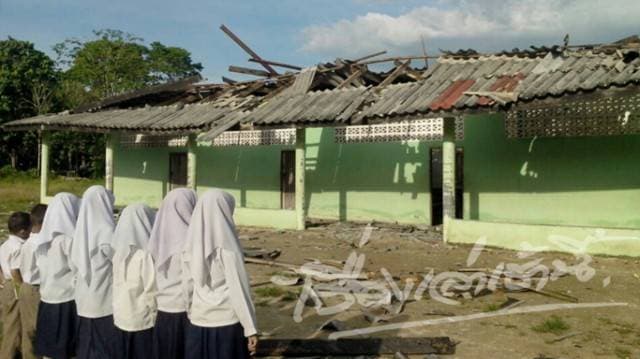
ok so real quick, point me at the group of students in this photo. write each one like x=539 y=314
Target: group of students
x=170 y=284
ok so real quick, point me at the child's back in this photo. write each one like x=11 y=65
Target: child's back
x=19 y=229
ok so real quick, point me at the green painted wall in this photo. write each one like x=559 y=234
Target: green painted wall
x=383 y=181
x=546 y=238
x=586 y=181
x=361 y=182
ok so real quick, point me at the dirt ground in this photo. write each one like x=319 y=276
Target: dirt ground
x=409 y=252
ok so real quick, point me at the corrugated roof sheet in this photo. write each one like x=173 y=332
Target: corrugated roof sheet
x=527 y=78
x=452 y=83
x=160 y=118
x=314 y=107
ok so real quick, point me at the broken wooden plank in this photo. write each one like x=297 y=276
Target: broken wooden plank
x=271 y=263
x=355 y=346
x=248 y=71
x=228 y=80
x=274 y=63
x=261 y=253
x=349 y=79
x=370 y=56
x=397 y=72
x=247 y=49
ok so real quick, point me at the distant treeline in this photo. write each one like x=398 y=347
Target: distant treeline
x=109 y=63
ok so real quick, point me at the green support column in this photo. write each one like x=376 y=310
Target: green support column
x=44 y=167
x=300 y=167
x=449 y=168
x=192 y=162
x=108 y=162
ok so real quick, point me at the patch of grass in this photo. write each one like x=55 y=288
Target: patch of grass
x=21 y=191
x=554 y=324
x=270 y=292
x=289 y=297
x=622 y=353
x=491 y=307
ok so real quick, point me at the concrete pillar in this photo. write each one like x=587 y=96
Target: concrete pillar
x=449 y=168
x=192 y=174
x=108 y=160
x=300 y=167
x=44 y=167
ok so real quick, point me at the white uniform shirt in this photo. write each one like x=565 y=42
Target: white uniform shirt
x=224 y=302
x=10 y=255
x=57 y=280
x=134 y=291
x=171 y=292
x=94 y=300
x=28 y=268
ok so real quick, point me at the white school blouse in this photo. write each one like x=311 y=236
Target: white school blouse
x=94 y=299
x=227 y=298
x=10 y=255
x=171 y=292
x=134 y=291
x=57 y=280
x=28 y=268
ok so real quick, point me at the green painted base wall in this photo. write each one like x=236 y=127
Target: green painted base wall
x=586 y=181
x=545 y=238
x=589 y=181
x=383 y=181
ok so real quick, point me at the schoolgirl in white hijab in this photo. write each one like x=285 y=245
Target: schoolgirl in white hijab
x=221 y=313
x=134 y=287
x=57 y=321
x=91 y=253
x=166 y=245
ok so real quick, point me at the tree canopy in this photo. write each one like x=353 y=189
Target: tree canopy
x=109 y=63
x=114 y=61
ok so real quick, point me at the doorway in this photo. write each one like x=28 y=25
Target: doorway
x=288 y=179
x=177 y=170
x=435 y=170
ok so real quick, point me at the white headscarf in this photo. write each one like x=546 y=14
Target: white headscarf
x=60 y=218
x=170 y=229
x=133 y=229
x=94 y=230
x=211 y=228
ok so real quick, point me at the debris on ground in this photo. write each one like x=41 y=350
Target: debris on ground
x=355 y=346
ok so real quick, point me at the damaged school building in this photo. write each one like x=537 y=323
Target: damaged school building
x=535 y=149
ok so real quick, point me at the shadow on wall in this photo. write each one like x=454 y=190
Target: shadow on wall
x=593 y=181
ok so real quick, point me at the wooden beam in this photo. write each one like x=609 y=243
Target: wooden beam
x=397 y=72
x=355 y=346
x=247 y=71
x=350 y=79
x=228 y=80
x=247 y=49
x=278 y=64
x=404 y=58
x=367 y=57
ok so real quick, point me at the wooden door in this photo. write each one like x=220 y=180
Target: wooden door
x=288 y=179
x=177 y=170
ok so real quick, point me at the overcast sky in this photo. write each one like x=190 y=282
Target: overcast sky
x=305 y=32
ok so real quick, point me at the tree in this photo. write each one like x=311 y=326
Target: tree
x=26 y=79
x=114 y=62
x=170 y=63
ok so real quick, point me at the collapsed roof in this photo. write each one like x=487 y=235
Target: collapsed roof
x=349 y=92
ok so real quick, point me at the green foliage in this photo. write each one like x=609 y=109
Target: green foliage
x=168 y=63
x=27 y=80
x=554 y=324
x=114 y=62
x=109 y=63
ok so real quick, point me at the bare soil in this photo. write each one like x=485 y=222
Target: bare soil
x=409 y=252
